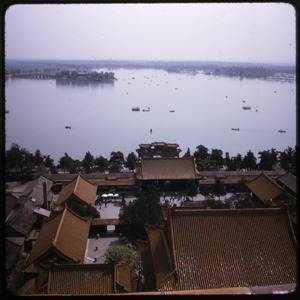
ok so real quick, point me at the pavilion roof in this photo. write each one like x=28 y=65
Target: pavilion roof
x=167 y=168
x=222 y=249
x=81 y=189
x=267 y=190
x=65 y=235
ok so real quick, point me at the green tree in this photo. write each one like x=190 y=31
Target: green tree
x=216 y=156
x=38 y=158
x=201 y=153
x=244 y=200
x=101 y=164
x=249 y=161
x=115 y=167
x=124 y=254
x=267 y=159
x=22 y=159
x=287 y=159
x=68 y=164
x=227 y=159
x=145 y=210
x=131 y=161
x=88 y=162
x=188 y=153
x=235 y=163
x=84 y=210
x=117 y=157
x=211 y=202
x=191 y=188
x=49 y=162
x=204 y=190
x=219 y=188
x=75 y=166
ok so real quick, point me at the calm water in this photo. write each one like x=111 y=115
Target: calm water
x=206 y=108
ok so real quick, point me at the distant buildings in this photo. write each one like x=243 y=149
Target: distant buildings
x=158 y=149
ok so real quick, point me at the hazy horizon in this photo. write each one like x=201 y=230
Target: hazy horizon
x=148 y=60
x=259 y=33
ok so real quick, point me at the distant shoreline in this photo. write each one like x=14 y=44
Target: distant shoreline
x=230 y=69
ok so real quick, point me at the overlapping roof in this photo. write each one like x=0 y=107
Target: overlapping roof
x=167 y=168
x=289 y=181
x=267 y=190
x=65 y=235
x=224 y=248
x=81 y=189
x=89 y=279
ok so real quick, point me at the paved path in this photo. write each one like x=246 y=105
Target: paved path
x=96 y=247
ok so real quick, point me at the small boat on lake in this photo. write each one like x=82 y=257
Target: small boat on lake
x=68 y=127
x=281 y=131
x=135 y=109
x=246 y=107
x=171 y=111
x=236 y=129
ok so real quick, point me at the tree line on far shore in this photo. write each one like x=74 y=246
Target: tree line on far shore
x=22 y=160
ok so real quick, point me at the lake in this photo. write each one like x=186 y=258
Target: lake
x=205 y=108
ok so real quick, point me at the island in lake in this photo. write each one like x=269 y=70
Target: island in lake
x=85 y=76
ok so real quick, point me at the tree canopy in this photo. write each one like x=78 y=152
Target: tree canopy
x=145 y=210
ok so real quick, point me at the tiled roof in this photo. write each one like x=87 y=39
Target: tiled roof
x=65 y=235
x=89 y=279
x=163 y=264
x=227 y=248
x=290 y=181
x=267 y=190
x=30 y=197
x=167 y=168
x=81 y=189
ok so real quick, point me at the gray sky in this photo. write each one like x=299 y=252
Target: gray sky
x=236 y=32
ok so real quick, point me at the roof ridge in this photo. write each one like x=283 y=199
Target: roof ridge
x=76 y=184
x=170 y=214
x=84 y=178
x=59 y=227
x=184 y=210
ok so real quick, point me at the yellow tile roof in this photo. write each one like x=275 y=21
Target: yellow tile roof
x=167 y=168
x=267 y=190
x=89 y=279
x=65 y=235
x=81 y=189
x=225 y=248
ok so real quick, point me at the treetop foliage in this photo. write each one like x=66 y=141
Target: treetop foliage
x=205 y=159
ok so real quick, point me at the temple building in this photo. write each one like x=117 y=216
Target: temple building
x=64 y=237
x=56 y=264
x=158 y=149
x=78 y=191
x=211 y=249
x=174 y=172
